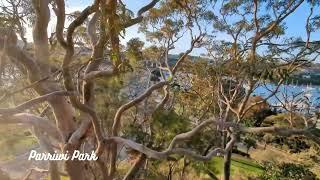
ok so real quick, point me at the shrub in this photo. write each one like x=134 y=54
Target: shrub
x=287 y=171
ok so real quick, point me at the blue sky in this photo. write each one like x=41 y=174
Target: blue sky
x=295 y=23
x=134 y=5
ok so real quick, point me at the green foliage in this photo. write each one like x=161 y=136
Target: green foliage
x=134 y=50
x=286 y=171
x=316 y=132
x=168 y=124
x=282 y=120
x=152 y=53
x=300 y=80
x=134 y=132
x=249 y=142
x=294 y=144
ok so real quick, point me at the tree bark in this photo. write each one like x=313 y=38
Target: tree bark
x=75 y=170
x=227 y=165
x=40 y=34
x=45 y=143
x=226 y=158
x=170 y=173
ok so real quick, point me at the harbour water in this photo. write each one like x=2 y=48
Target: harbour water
x=301 y=97
x=289 y=92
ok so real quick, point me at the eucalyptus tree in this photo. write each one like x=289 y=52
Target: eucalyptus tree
x=15 y=14
x=257 y=50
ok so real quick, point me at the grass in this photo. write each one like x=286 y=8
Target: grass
x=61 y=178
x=14 y=140
x=239 y=166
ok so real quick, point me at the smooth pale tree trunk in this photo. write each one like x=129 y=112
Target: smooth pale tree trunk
x=63 y=110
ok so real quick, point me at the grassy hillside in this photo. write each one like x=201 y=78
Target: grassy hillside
x=15 y=140
x=240 y=166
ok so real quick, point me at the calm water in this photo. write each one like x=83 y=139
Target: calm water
x=290 y=92
x=303 y=97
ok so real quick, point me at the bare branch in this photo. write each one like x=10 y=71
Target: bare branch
x=139 y=17
x=33 y=102
x=123 y=108
x=36 y=83
x=147 y=7
x=256 y=21
x=166 y=154
x=91 y=28
x=20 y=56
x=33 y=121
x=183 y=57
x=96 y=74
x=60 y=13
